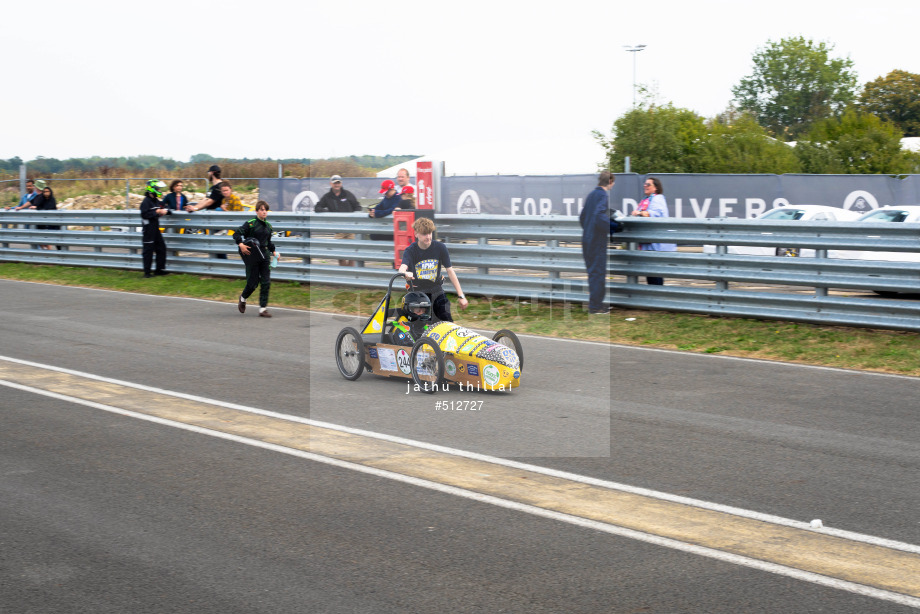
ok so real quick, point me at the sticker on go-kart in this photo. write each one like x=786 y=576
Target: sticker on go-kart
x=473 y=370
x=423 y=363
x=490 y=375
x=372 y=352
x=387 y=359
x=450 y=368
x=450 y=345
x=402 y=359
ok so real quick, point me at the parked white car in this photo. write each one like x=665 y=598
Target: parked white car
x=803 y=213
x=889 y=214
x=892 y=213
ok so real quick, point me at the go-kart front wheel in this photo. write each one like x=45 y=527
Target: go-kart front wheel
x=426 y=363
x=349 y=353
x=509 y=339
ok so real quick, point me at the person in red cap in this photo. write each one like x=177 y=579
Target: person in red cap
x=391 y=200
x=408 y=197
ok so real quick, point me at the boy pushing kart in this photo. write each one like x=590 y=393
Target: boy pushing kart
x=423 y=262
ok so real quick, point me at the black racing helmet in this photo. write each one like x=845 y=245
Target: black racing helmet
x=417 y=300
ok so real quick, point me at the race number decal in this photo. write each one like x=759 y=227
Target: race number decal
x=402 y=359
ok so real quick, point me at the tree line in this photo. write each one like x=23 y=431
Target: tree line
x=799 y=111
x=156 y=166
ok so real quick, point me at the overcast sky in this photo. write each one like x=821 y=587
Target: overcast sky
x=319 y=79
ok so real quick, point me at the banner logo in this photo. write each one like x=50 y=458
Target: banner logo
x=304 y=202
x=860 y=201
x=468 y=202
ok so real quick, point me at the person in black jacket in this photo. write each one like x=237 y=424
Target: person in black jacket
x=338 y=200
x=596 y=227
x=254 y=239
x=45 y=201
x=151 y=211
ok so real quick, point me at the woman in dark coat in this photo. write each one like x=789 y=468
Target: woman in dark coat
x=175 y=200
x=46 y=202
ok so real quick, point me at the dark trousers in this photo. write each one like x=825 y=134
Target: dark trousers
x=594 y=251
x=258 y=273
x=153 y=242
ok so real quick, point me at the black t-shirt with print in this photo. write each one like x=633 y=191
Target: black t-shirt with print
x=216 y=196
x=424 y=265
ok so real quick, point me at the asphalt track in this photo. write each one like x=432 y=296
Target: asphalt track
x=178 y=456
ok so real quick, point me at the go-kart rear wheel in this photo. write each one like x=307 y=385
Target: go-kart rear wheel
x=509 y=339
x=349 y=353
x=426 y=363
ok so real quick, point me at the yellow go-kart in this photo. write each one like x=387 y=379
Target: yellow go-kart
x=440 y=355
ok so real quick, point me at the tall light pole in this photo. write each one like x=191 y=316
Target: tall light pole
x=634 y=49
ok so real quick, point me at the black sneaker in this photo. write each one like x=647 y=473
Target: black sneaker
x=147 y=275
x=161 y=272
x=597 y=312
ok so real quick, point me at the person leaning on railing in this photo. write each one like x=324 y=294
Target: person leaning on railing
x=175 y=200
x=230 y=202
x=215 y=198
x=26 y=201
x=654 y=205
x=338 y=200
x=408 y=198
x=391 y=200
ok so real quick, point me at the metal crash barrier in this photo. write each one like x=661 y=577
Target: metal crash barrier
x=533 y=258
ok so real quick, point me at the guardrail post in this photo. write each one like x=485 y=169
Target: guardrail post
x=721 y=286
x=359 y=263
x=632 y=279
x=820 y=292
x=552 y=243
x=482 y=270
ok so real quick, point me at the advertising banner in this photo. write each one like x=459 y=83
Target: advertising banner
x=425 y=185
x=688 y=196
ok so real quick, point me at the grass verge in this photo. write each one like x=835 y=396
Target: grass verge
x=834 y=346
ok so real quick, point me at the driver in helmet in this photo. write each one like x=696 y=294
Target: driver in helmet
x=411 y=319
x=151 y=211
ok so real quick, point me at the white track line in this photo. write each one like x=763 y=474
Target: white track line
x=645 y=492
